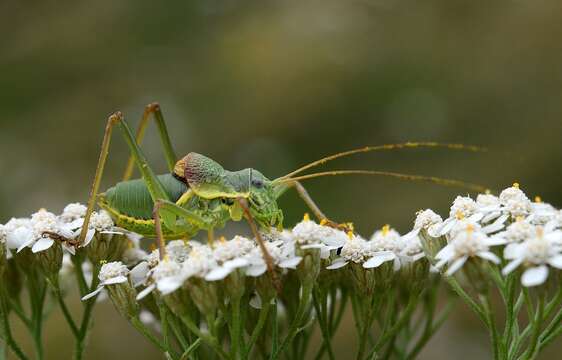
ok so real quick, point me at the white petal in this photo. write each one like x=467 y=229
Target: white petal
x=379 y=258
x=456 y=265
x=446 y=253
x=512 y=266
x=513 y=251
x=397 y=264
x=115 y=280
x=337 y=264
x=25 y=244
x=236 y=263
x=139 y=272
x=290 y=263
x=169 y=284
x=476 y=217
x=312 y=246
x=219 y=273
x=411 y=235
x=145 y=292
x=89 y=236
x=490 y=256
x=495 y=226
x=42 y=244
x=93 y=293
x=534 y=276
x=18 y=237
x=256 y=270
x=255 y=302
x=556 y=261
x=112 y=232
x=447 y=226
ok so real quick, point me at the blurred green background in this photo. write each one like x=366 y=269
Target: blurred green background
x=273 y=85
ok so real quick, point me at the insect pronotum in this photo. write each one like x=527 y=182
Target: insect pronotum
x=199 y=194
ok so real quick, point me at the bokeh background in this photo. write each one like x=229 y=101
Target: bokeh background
x=272 y=85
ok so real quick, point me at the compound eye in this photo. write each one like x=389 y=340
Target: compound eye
x=257 y=183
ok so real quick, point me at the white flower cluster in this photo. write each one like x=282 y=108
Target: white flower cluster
x=212 y=262
x=385 y=245
x=44 y=228
x=527 y=234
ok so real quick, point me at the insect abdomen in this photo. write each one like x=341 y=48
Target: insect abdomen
x=131 y=198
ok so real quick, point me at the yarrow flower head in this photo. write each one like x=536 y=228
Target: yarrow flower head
x=467 y=241
x=536 y=254
x=355 y=250
x=515 y=202
x=112 y=273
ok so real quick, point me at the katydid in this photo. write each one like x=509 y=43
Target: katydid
x=198 y=194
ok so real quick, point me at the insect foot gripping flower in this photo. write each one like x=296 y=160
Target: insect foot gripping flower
x=104 y=242
x=467 y=241
x=114 y=278
x=536 y=253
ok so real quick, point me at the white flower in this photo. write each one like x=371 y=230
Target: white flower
x=514 y=201
x=177 y=250
x=133 y=255
x=309 y=235
x=355 y=249
x=411 y=249
x=466 y=243
x=18 y=232
x=518 y=231
x=110 y=274
x=463 y=208
x=199 y=262
x=282 y=254
x=236 y=248
x=489 y=206
x=101 y=221
x=542 y=213
x=384 y=245
x=427 y=220
x=535 y=253
x=73 y=212
x=167 y=277
x=230 y=256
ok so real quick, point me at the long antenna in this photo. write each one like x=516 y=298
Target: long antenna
x=324 y=160
x=430 y=179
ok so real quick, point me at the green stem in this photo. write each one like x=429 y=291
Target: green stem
x=140 y=327
x=274 y=328
x=294 y=328
x=209 y=340
x=87 y=314
x=7 y=332
x=402 y=320
x=466 y=298
x=531 y=352
x=236 y=331
x=430 y=329
x=190 y=349
x=68 y=317
x=322 y=313
x=262 y=319
x=492 y=328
